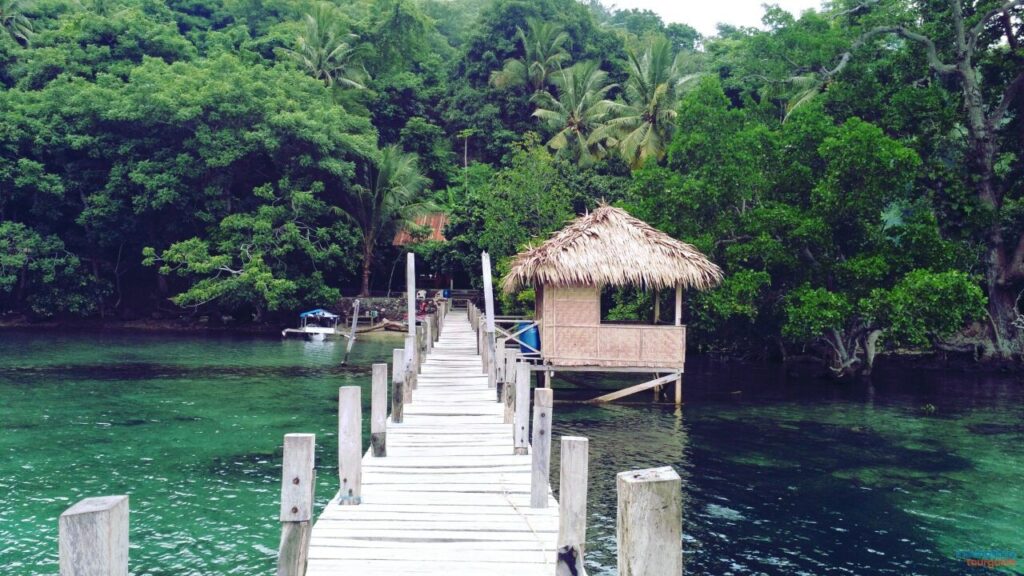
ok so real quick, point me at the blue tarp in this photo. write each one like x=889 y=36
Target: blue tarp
x=318 y=313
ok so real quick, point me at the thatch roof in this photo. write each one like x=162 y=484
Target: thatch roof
x=610 y=247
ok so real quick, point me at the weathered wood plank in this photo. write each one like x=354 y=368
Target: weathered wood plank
x=543 y=400
x=572 y=505
x=350 y=444
x=649 y=525
x=449 y=499
x=93 y=537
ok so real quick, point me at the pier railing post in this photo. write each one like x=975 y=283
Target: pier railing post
x=410 y=367
x=350 y=444
x=649 y=526
x=521 y=425
x=93 y=537
x=298 y=482
x=572 y=505
x=397 y=384
x=543 y=400
x=508 y=392
x=429 y=327
x=379 y=409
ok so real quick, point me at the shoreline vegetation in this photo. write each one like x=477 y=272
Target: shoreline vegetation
x=853 y=170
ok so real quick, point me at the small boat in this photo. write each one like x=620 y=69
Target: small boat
x=315 y=325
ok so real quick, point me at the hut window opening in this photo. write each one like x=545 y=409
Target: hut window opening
x=626 y=305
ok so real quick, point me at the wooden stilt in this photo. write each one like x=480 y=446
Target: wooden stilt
x=297 y=487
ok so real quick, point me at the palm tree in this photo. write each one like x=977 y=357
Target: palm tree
x=325 y=52
x=14 y=21
x=390 y=193
x=544 y=52
x=643 y=124
x=578 y=112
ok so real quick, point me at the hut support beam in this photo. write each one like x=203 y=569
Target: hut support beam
x=679 y=305
x=634 y=389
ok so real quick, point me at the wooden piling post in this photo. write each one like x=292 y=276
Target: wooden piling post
x=508 y=394
x=352 y=331
x=397 y=384
x=543 y=400
x=298 y=481
x=410 y=368
x=522 y=415
x=499 y=361
x=350 y=444
x=679 y=389
x=572 y=505
x=93 y=537
x=649 y=526
x=379 y=410
x=429 y=326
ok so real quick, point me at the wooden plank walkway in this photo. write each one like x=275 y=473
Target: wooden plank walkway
x=449 y=498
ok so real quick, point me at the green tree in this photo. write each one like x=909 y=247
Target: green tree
x=326 y=52
x=974 y=46
x=580 y=109
x=14 y=21
x=390 y=193
x=643 y=125
x=543 y=47
x=270 y=258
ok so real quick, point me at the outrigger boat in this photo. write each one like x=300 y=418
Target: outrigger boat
x=315 y=324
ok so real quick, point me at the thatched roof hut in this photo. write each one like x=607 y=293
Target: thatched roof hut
x=608 y=247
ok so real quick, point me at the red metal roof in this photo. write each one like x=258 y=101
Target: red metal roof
x=435 y=220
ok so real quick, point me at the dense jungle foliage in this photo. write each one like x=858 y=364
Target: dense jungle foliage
x=856 y=171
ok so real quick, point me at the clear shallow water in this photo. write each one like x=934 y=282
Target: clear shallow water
x=786 y=476
x=782 y=476
x=189 y=427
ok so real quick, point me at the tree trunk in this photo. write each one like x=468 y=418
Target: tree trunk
x=367 y=264
x=870 y=350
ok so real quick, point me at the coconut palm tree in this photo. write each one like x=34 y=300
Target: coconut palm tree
x=543 y=44
x=643 y=124
x=326 y=52
x=389 y=193
x=580 y=109
x=14 y=21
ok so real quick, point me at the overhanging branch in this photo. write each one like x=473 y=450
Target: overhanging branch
x=934 y=62
x=979 y=28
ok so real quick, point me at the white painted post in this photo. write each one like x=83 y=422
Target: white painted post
x=352 y=331
x=350 y=444
x=657 y=306
x=93 y=537
x=572 y=505
x=397 y=384
x=649 y=527
x=542 y=409
x=298 y=481
x=679 y=305
x=379 y=410
x=489 y=307
x=410 y=290
x=521 y=426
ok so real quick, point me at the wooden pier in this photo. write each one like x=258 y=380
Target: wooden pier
x=451 y=484
x=450 y=497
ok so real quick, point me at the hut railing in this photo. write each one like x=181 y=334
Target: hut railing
x=514 y=336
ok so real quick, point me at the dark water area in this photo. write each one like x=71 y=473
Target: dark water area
x=782 y=474
x=798 y=475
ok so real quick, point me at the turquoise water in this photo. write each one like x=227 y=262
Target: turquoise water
x=782 y=475
x=190 y=427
